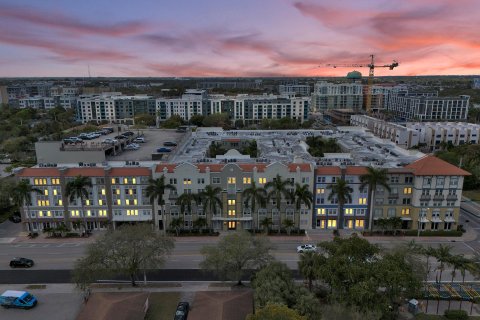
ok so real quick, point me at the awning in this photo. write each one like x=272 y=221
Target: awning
x=449 y=219
x=423 y=219
x=436 y=219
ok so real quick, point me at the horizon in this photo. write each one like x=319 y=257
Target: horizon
x=217 y=39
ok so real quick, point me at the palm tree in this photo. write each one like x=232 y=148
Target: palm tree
x=309 y=265
x=302 y=195
x=156 y=190
x=372 y=179
x=177 y=224
x=211 y=200
x=342 y=192
x=288 y=224
x=266 y=223
x=276 y=189
x=78 y=189
x=253 y=195
x=200 y=223
x=185 y=202
x=22 y=195
x=396 y=223
x=443 y=255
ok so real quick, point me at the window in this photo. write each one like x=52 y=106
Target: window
x=348 y=211
x=438 y=192
x=406 y=201
x=320 y=179
x=407 y=190
x=115 y=180
x=425 y=192
x=359 y=223
x=440 y=181
x=305 y=180
x=200 y=180
x=173 y=181
x=362 y=200
x=231 y=212
x=247 y=180
x=40 y=181
x=392 y=201
x=332 y=223
x=262 y=180
x=334 y=179
x=55 y=181
x=405 y=211
x=74 y=213
x=134 y=180
x=320 y=211
x=378 y=213
x=320 y=191
x=125 y=180
x=102 y=213
x=43 y=203
x=427 y=181
x=408 y=179
x=379 y=201
x=187 y=181
x=394 y=179
x=231 y=180
x=216 y=180
x=453 y=181
x=231 y=202
x=133 y=212
x=392 y=212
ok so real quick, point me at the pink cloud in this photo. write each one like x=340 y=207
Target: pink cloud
x=68 y=23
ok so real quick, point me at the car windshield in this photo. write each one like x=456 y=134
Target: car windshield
x=28 y=298
x=179 y=313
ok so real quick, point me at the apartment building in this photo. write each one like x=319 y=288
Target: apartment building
x=292 y=90
x=192 y=102
x=410 y=106
x=432 y=135
x=328 y=95
x=113 y=107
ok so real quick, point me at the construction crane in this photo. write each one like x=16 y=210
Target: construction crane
x=371 y=66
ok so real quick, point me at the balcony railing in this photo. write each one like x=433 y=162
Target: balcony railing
x=393 y=195
x=425 y=197
x=438 y=197
x=453 y=197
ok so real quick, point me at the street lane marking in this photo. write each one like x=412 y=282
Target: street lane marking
x=468 y=246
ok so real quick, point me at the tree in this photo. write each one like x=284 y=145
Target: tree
x=444 y=255
x=275 y=312
x=156 y=190
x=122 y=252
x=22 y=195
x=266 y=223
x=173 y=122
x=340 y=191
x=235 y=254
x=278 y=188
x=185 y=201
x=253 y=195
x=197 y=120
x=78 y=189
x=395 y=223
x=288 y=224
x=211 y=200
x=308 y=265
x=145 y=120
x=177 y=224
x=302 y=195
x=217 y=120
x=372 y=179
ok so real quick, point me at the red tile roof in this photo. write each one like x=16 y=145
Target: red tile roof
x=85 y=171
x=304 y=167
x=214 y=167
x=433 y=166
x=248 y=167
x=356 y=170
x=328 y=171
x=39 y=172
x=170 y=167
x=123 y=172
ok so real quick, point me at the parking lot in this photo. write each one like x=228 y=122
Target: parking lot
x=51 y=306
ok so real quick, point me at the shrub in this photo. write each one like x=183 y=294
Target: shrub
x=456 y=314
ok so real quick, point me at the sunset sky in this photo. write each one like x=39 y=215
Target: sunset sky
x=237 y=37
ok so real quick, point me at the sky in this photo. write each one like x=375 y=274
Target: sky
x=237 y=38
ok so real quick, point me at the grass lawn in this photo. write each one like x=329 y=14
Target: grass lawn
x=423 y=316
x=474 y=195
x=162 y=305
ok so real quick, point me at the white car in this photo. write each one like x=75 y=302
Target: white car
x=139 y=139
x=110 y=141
x=132 y=146
x=306 y=247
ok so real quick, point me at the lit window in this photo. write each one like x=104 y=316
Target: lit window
x=405 y=211
x=45 y=192
x=74 y=213
x=55 y=192
x=135 y=201
x=87 y=202
x=133 y=212
x=100 y=202
x=127 y=202
x=125 y=180
x=187 y=181
x=320 y=191
x=119 y=202
x=321 y=211
x=117 y=191
x=247 y=180
x=332 y=223
x=348 y=211
x=231 y=212
x=231 y=180
x=362 y=200
x=359 y=223
x=407 y=190
x=89 y=213
x=130 y=191
x=55 y=181
x=113 y=180
x=102 y=213
x=103 y=192
x=49 y=213
x=40 y=213
x=60 y=202
x=231 y=202
x=134 y=180
x=262 y=180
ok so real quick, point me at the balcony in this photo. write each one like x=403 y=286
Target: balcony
x=425 y=197
x=438 y=197
x=452 y=197
x=393 y=195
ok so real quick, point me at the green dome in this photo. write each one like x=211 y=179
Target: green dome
x=354 y=75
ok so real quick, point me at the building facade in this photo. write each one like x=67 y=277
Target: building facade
x=328 y=95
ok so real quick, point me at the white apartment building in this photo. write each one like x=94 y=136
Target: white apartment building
x=292 y=90
x=328 y=95
x=33 y=102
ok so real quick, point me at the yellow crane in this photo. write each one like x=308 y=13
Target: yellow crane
x=371 y=66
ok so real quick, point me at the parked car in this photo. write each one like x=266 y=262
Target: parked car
x=120 y=137
x=163 y=149
x=139 y=139
x=128 y=133
x=182 y=311
x=17 y=299
x=132 y=146
x=109 y=129
x=169 y=144
x=21 y=262
x=15 y=218
x=72 y=140
x=306 y=247
x=109 y=141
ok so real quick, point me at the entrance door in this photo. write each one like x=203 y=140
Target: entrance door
x=232 y=225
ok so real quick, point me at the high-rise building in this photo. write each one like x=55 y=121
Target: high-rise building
x=328 y=95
